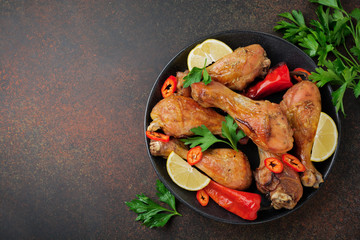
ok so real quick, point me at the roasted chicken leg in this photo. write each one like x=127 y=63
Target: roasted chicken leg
x=302 y=106
x=180 y=90
x=238 y=69
x=284 y=189
x=176 y=115
x=262 y=121
x=226 y=166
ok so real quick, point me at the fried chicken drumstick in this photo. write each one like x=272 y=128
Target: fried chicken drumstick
x=302 y=106
x=262 y=121
x=224 y=165
x=176 y=115
x=238 y=69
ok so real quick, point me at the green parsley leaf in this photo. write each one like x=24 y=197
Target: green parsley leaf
x=205 y=138
x=338 y=66
x=206 y=77
x=329 y=3
x=337 y=97
x=325 y=38
x=193 y=76
x=338 y=74
x=150 y=213
x=357 y=90
x=165 y=195
x=158 y=220
x=196 y=75
x=229 y=130
x=356 y=14
x=296 y=16
x=310 y=44
x=295 y=31
x=324 y=76
x=356 y=51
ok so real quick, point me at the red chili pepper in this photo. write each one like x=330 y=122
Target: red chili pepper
x=277 y=79
x=194 y=155
x=300 y=74
x=293 y=162
x=157 y=136
x=202 y=197
x=243 y=204
x=169 y=86
x=273 y=164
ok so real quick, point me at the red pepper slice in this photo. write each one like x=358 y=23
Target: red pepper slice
x=273 y=164
x=277 y=79
x=300 y=74
x=169 y=86
x=202 y=197
x=157 y=136
x=293 y=162
x=243 y=204
x=194 y=155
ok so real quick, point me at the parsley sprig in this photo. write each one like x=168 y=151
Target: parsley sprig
x=323 y=39
x=150 y=213
x=205 y=138
x=197 y=75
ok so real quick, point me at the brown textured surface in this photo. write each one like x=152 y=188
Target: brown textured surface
x=74 y=81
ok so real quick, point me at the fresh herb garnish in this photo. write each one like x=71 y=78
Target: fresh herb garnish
x=229 y=130
x=150 y=213
x=205 y=138
x=197 y=75
x=322 y=40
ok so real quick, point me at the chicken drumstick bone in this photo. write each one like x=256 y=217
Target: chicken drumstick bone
x=283 y=189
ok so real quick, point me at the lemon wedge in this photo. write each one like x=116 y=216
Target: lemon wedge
x=184 y=175
x=211 y=50
x=326 y=139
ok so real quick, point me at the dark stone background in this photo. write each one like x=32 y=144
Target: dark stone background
x=75 y=77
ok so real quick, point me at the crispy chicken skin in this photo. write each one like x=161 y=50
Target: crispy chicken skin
x=283 y=189
x=262 y=121
x=176 y=115
x=302 y=106
x=238 y=69
x=180 y=90
x=226 y=166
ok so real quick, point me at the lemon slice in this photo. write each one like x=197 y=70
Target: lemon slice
x=325 y=139
x=211 y=50
x=184 y=175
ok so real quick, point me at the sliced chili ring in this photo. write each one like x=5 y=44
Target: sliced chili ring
x=169 y=86
x=300 y=74
x=202 y=197
x=157 y=136
x=293 y=162
x=273 y=164
x=194 y=155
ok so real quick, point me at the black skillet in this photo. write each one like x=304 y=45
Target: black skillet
x=278 y=50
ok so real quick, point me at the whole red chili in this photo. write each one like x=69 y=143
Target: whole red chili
x=277 y=79
x=293 y=162
x=244 y=204
x=169 y=86
x=273 y=164
x=157 y=136
x=202 y=197
x=194 y=155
